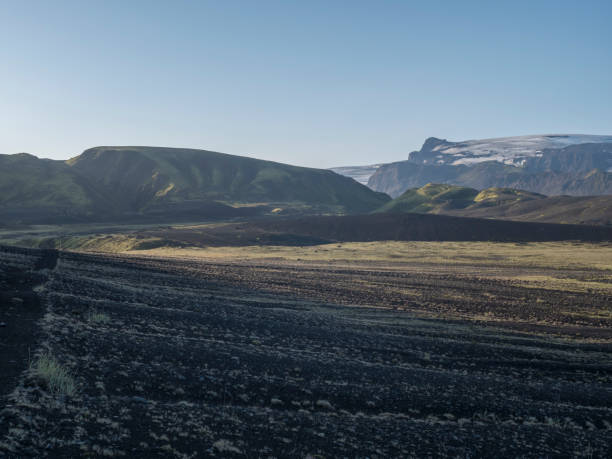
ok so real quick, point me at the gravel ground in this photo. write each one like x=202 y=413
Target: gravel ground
x=174 y=359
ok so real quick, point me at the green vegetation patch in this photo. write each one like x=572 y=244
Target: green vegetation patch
x=505 y=194
x=432 y=198
x=56 y=376
x=97 y=317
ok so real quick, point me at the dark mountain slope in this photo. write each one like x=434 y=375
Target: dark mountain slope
x=581 y=158
x=395 y=178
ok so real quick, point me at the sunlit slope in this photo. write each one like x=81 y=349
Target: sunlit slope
x=120 y=182
x=431 y=198
x=505 y=203
x=149 y=175
x=45 y=189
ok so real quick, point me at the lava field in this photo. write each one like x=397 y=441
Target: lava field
x=197 y=359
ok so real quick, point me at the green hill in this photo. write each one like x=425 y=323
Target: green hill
x=432 y=198
x=503 y=203
x=40 y=190
x=113 y=183
x=151 y=175
x=28 y=181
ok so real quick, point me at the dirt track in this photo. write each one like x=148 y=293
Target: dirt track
x=21 y=272
x=218 y=359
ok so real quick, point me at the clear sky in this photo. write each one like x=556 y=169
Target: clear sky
x=314 y=83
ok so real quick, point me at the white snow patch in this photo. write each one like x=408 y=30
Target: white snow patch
x=360 y=173
x=511 y=150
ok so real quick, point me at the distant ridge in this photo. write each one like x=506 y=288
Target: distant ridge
x=503 y=203
x=512 y=151
x=554 y=164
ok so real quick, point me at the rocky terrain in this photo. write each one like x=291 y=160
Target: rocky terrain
x=580 y=169
x=514 y=151
x=192 y=357
x=560 y=164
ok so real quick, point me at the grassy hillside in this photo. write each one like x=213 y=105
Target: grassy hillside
x=116 y=183
x=503 y=203
x=431 y=199
x=43 y=191
x=152 y=175
x=28 y=181
x=439 y=198
x=589 y=210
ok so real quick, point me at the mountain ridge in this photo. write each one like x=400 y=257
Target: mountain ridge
x=551 y=164
x=513 y=151
x=115 y=182
x=576 y=169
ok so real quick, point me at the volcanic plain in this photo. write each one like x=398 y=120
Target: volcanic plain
x=349 y=350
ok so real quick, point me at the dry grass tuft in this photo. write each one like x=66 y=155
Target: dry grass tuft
x=58 y=379
x=97 y=317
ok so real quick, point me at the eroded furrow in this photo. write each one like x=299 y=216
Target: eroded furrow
x=192 y=361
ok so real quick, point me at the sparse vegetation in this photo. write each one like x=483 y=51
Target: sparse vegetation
x=503 y=203
x=435 y=349
x=94 y=316
x=165 y=183
x=550 y=255
x=56 y=376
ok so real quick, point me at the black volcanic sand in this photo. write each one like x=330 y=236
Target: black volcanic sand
x=20 y=308
x=426 y=227
x=375 y=227
x=190 y=366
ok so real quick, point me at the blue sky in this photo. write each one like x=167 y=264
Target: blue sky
x=310 y=83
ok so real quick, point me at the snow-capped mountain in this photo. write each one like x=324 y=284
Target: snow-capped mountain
x=506 y=150
x=533 y=152
x=551 y=165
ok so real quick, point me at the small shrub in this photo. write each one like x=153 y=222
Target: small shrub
x=58 y=379
x=97 y=317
